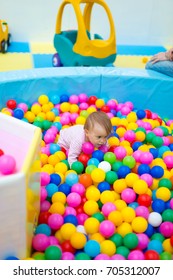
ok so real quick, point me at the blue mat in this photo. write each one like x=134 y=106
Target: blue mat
x=19 y=47
x=42 y=60
x=139 y=50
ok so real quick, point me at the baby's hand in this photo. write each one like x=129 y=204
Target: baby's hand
x=158 y=57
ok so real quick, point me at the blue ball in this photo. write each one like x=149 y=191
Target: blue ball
x=93 y=161
x=92 y=248
x=13 y=258
x=104 y=186
x=157 y=171
x=64 y=98
x=65 y=188
x=58 y=125
x=158 y=205
x=149 y=231
x=71 y=219
x=154 y=152
x=54 y=98
x=155 y=245
x=98 y=155
x=18 y=113
x=51 y=188
x=143 y=169
x=44 y=229
x=141 y=114
x=55 y=111
x=123 y=171
x=71 y=179
x=133 y=205
x=162 y=150
x=136 y=145
x=171 y=147
x=53 y=148
x=55 y=179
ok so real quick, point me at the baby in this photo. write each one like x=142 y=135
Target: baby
x=95 y=130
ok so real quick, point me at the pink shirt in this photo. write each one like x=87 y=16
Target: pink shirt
x=72 y=139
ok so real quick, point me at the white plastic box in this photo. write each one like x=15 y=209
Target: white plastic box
x=19 y=192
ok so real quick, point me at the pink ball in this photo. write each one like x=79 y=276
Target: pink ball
x=69 y=211
x=7 y=164
x=53 y=240
x=44 y=205
x=125 y=110
x=166 y=228
x=45 y=150
x=102 y=257
x=78 y=188
x=83 y=106
x=128 y=195
x=88 y=148
x=143 y=241
x=23 y=106
x=171 y=203
x=137 y=155
x=147 y=178
x=83 y=97
x=49 y=137
x=82 y=218
x=40 y=242
x=146 y=158
x=64 y=120
x=136 y=255
x=67 y=256
x=166 y=141
x=158 y=131
x=168 y=160
x=129 y=135
x=107 y=228
x=103 y=148
x=107 y=208
x=55 y=221
x=117 y=257
x=73 y=199
x=129 y=104
x=45 y=178
x=73 y=117
x=120 y=152
x=142 y=211
x=74 y=99
x=112 y=104
x=43 y=194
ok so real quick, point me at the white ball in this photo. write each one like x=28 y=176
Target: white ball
x=105 y=166
x=155 y=219
x=81 y=229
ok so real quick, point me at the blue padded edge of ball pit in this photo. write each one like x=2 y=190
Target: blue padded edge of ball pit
x=147 y=89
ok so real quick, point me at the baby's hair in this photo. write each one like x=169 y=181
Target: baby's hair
x=100 y=118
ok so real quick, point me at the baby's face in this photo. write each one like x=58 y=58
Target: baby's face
x=97 y=135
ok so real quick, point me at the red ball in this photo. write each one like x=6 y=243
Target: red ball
x=67 y=247
x=112 y=148
x=92 y=99
x=148 y=114
x=84 y=158
x=43 y=217
x=79 y=209
x=151 y=255
x=144 y=200
x=1 y=152
x=105 y=109
x=11 y=104
x=171 y=240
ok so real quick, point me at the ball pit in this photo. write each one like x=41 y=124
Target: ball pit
x=112 y=203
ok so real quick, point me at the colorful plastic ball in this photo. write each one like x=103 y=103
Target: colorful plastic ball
x=142 y=211
x=86 y=180
x=67 y=256
x=40 y=242
x=91 y=225
x=136 y=255
x=64 y=188
x=143 y=241
x=103 y=186
x=166 y=228
x=84 y=158
x=71 y=179
x=44 y=229
x=165 y=256
x=107 y=228
x=99 y=155
x=55 y=221
x=107 y=208
x=53 y=253
x=55 y=179
x=167 y=215
x=163 y=193
x=92 y=193
x=139 y=224
x=82 y=256
x=105 y=166
x=155 y=245
x=93 y=161
x=157 y=171
x=123 y=171
x=144 y=199
x=7 y=164
x=90 y=207
x=72 y=219
x=73 y=199
x=88 y=148
x=155 y=219
x=51 y=189
x=128 y=195
x=143 y=169
x=108 y=247
x=78 y=240
x=92 y=248
x=77 y=166
x=168 y=161
x=130 y=240
x=140 y=187
x=98 y=175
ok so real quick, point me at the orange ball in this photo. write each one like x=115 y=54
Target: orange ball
x=86 y=180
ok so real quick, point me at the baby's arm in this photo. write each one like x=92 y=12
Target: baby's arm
x=74 y=151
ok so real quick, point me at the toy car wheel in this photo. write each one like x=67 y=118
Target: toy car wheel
x=9 y=39
x=4 y=46
x=56 y=60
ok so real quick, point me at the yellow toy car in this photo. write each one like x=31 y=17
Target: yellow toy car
x=4 y=36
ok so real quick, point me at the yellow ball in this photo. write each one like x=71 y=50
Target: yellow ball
x=60 y=154
x=132 y=126
x=53 y=159
x=50 y=116
x=98 y=175
x=124 y=229
x=58 y=235
x=74 y=108
x=91 y=225
x=119 y=185
x=167 y=246
x=128 y=214
x=92 y=193
x=121 y=131
x=131 y=117
x=163 y=193
x=61 y=167
x=139 y=224
x=78 y=240
x=115 y=121
x=108 y=247
x=43 y=99
x=99 y=103
x=80 y=120
x=113 y=141
x=90 y=207
x=107 y=196
x=67 y=230
x=30 y=116
x=120 y=204
x=44 y=159
x=91 y=109
x=140 y=136
x=36 y=109
x=57 y=208
x=47 y=168
x=115 y=217
x=59 y=197
x=131 y=178
x=97 y=237
x=42 y=115
x=140 y=186
x=65 y=107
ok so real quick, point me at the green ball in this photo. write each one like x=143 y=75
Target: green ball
x=82 y=256
x=130 y=240
x=165 y=183
x=99 y=216
x=38 y=124
x=66 y=162
x=111 y=177
x=165 y=130
x=53 y=253
x=110 y=157
x=123 y=251
x=78 y=167
x=157 y=141
x=150 y=136
x=166 y=256
x=158 y=236
x=167 y=215
x=46 y=124
x=84 y=113
x=116 y=165
x=117 y=239
x=90 y=168
x=39 y=256
x=129 y=161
